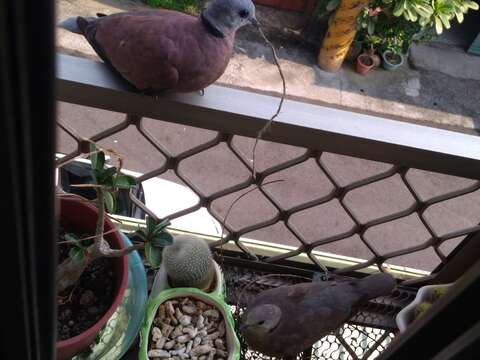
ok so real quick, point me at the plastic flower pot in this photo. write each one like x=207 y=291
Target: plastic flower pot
x=407 y=315
x=161 y=282
x=391 y=60
x=233 y=345
x=376 y=59
x=364 y=63
x=80 y=216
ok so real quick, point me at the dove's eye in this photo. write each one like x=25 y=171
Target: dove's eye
x=243 y=13
x=261 y=322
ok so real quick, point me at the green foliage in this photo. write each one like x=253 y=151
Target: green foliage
x=156 y=237
x=436 y=14
x=387 y=32
x=191 y=7
x=78 y=249
x=111 y=179
x=153 y=255
x=324 y=8
x=395 y=24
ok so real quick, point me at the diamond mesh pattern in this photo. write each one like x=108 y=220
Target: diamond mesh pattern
x=284 y=209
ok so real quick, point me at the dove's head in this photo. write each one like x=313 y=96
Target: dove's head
x=260 y=320
x=227 y=16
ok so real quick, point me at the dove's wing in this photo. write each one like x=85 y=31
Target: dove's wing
x=142 y=47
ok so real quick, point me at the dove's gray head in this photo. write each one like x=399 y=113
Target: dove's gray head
x=226 y=16
x=260 y=320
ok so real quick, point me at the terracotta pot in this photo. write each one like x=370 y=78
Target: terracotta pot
x=78 y=215
x=364 y=63
x=375 y=57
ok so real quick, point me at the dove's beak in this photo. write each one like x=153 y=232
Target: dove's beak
x=254 y=22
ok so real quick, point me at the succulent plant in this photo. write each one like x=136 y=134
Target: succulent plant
x=422 y=309
x=438 y=293
x=189 y=263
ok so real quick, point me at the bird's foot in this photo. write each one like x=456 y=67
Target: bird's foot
x=155 y=94
x=201 y=92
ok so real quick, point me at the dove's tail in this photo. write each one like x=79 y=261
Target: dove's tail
x=376 y=285
x=71 y=24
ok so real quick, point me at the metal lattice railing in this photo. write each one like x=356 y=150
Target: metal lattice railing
x=233 y=118
x=282 y=214
x=337 y=191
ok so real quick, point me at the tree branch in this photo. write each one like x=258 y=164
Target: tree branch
x=112 y=253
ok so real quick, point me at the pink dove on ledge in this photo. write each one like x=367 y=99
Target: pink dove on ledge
x=160 y=50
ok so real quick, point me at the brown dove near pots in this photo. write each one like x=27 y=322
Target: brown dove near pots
x=286 y=320
x=159 y=50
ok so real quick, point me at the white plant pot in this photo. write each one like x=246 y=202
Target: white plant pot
x=407 y=315
x=160 y=282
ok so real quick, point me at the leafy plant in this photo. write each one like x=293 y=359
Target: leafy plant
x=432 y=13
x=106 y=182
x=325 y=8
x=156 y=237
x=187 y=6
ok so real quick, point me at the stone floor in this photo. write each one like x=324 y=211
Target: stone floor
x=441 y=86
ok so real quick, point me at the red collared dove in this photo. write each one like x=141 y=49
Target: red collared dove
x=158 y=50
x=286 y=320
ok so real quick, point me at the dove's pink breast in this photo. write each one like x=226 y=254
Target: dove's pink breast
x=162 y=49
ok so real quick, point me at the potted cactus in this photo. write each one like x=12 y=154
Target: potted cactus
x=188 y=263
x=92 y=273
x=188 y=290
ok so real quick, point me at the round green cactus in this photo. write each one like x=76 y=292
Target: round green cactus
x=189 y=263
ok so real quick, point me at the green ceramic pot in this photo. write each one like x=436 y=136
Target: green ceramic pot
x=233 y=345
x=387 y=62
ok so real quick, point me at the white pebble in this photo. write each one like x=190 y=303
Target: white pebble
x=156 y=333
x=221 y=329
x=221 y=353
x=201 y=350
x=161 y=342
x=170 y=308
x=213 y=336
x=167 y=330
x=189 y=346
x=178 y=313
x=212 y=313
x=190 y=310
x=212 y=354
x=219 y=344
x=158 y=353
x=179 y=351
x=197 y=341
x=170 y=344
x=177 y=332
x=185 y=320
x=200 y=321
x=192 y=332
x=183 y=339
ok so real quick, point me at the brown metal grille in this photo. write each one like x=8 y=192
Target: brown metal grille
x=283 y=214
